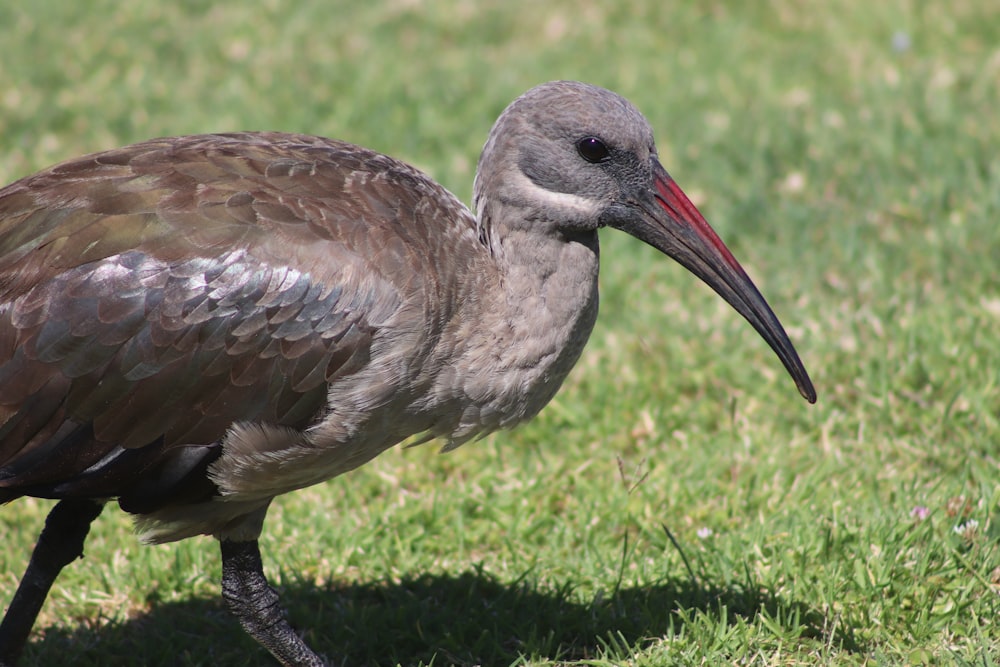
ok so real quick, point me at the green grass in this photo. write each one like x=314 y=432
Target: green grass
x=678 y=503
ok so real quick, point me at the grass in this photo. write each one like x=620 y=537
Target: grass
x=677 y=503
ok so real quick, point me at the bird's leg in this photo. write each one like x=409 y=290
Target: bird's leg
x=252 y=600
x=60 y=543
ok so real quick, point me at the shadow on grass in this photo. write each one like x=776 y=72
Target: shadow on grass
x=469 y=619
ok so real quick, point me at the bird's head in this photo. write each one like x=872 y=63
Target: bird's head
x=567 y=158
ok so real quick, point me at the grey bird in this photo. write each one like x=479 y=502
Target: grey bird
x=194 y=325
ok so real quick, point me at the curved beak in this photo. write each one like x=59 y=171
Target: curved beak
x=669 y=222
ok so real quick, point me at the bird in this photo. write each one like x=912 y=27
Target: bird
x=191 y=326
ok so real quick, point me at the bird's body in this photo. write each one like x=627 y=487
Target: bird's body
x=243 y=331
x=195 y=325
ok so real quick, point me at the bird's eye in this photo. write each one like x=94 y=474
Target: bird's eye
x=592 y=149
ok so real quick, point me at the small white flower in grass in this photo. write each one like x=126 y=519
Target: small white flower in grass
x=901 y=41
x=704 y=532
x=966 y=527
x=967 y=530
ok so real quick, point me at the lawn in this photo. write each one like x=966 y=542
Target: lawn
x=678 y=503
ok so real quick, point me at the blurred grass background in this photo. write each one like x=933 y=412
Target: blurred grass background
x=849 y=153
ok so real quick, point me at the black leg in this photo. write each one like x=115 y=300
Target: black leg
x=60 y=543
x=256 y=605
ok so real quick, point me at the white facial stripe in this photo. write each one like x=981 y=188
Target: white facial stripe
x=563 y=201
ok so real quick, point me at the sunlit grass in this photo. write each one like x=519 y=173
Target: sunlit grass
x=848 y=155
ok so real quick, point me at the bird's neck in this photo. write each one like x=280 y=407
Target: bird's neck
x=529 y=331
x=550 y=287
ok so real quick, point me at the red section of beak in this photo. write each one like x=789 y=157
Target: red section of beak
x=672 y=198
x=667 y=220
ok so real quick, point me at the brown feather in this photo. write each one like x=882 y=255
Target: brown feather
x=163 y=291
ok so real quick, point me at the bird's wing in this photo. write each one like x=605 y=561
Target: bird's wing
x=153 y=295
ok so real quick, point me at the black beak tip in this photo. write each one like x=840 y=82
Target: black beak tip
x=803 y=381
